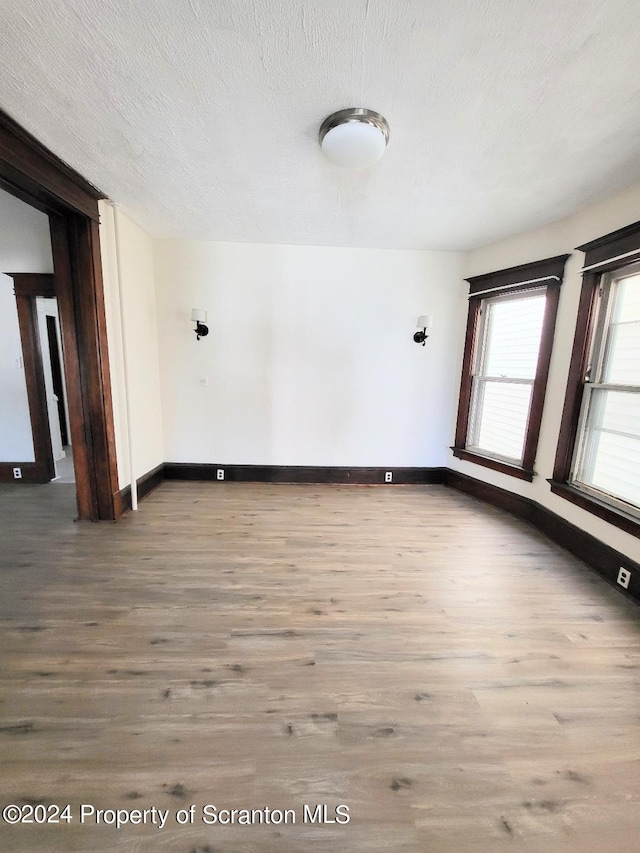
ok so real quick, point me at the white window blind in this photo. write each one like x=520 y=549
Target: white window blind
x=607 y=461
x=505 y=365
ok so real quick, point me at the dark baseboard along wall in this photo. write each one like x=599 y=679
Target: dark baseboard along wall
x=303 y=474
x=145 y=484
x=604 y=559
x=31 y=472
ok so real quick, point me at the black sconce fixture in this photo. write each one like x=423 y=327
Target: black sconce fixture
x=199 y=317
x=425 y=321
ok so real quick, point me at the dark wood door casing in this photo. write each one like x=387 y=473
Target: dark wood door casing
x=34 y=174
x=27 y=288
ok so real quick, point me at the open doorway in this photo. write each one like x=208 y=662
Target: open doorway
x=55 y=391
x=26 y=264
x=34 y=175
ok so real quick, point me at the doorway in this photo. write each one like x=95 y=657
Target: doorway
x=35 y=175
x=55 y=391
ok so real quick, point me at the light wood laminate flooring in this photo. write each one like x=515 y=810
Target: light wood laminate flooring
x=459 y=682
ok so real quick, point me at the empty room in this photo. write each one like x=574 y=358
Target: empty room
x=320 y=426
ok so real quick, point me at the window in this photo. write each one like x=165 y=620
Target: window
x=506 y=363
x=598 y=458
x=506 y=357
x=607 y=459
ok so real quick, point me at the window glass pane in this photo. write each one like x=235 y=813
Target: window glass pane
x=512 y=339
x=610 y=453
x=622 y=361
x=500 y=413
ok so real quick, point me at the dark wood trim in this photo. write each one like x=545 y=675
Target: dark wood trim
x=92 y=343
x=575 y=380
x=32 y=472
x=495 y=464
x=539 y=389
x=515 y=276
x=597 y=507
x=145 y=484
x=39 y=176
x=596 y=554
x=35 y=175
x=86 y=366
x=43 y=468
x=33 y=284
x=552 y=296
x=602 y=249
x=302 y=474
x=466 y=379
x=501 y=498
x=611 y=245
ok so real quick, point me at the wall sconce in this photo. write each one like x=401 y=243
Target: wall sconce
x=425 y=321
x=199 y=317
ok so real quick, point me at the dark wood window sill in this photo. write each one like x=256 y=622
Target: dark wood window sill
x=495 y=464
x=597 y=507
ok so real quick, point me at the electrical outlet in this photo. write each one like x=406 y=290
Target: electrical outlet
x=388 y=476
x=624 y=576
x=220 y=474
x=17 y=473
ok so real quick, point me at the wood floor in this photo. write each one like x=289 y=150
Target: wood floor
x=460 y=683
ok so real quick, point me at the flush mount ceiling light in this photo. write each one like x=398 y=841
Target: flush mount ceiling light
x=354 y=138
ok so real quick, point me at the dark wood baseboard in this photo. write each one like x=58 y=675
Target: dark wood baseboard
x=145 y=484
x=604 y=559
x=303 y=474
x=32 y=472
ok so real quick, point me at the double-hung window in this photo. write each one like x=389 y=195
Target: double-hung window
x=506 y=362
x=598 y=459
x=607 y=458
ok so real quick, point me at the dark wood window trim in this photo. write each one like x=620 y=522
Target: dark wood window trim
x=547 y=274
x=495 y=464
x=606 y=252
x=596 y=507
x=35 y=175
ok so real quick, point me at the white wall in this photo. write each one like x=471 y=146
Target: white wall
x=24 y=247
x=560 y=238
x=310 y=358
x=16 y=441
x=140 y=334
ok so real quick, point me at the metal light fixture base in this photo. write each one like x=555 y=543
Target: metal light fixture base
x=355 y=114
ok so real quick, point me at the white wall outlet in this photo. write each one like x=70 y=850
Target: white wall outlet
x=17 y=473
x=220 y=474
x=624 y=576
x=388 y=476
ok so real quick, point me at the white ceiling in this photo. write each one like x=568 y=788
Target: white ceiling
x=201 y=116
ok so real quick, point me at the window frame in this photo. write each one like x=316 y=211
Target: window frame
x=604 y=256
x=545 y=275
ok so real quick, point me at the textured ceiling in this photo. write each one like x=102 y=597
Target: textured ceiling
x=201 y=116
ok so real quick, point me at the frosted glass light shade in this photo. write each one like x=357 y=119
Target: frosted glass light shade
x=354 y=138
x=354 y=145
x=425 y=321
x=198 y=315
